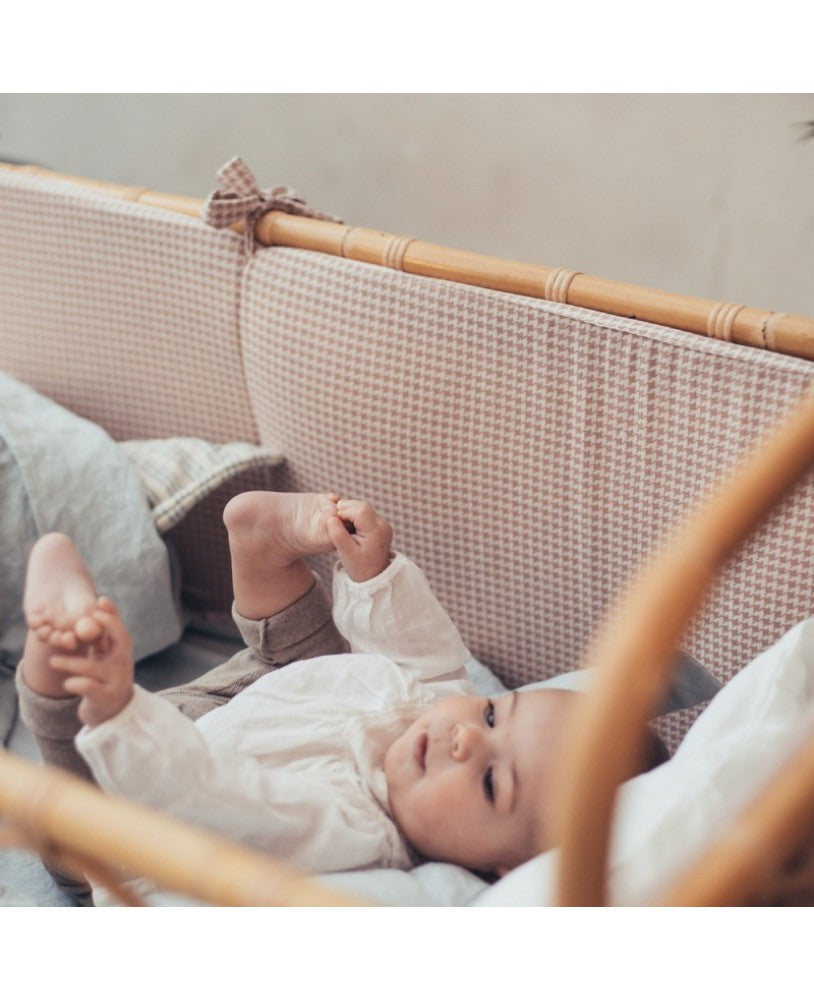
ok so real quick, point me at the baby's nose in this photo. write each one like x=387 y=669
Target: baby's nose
x=465 y=741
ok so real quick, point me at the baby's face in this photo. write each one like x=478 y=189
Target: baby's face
x=468 y=780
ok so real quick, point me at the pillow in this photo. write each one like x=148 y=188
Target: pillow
x=60 y=472
x=666 y=817
x=690 y=684
x=177 y=473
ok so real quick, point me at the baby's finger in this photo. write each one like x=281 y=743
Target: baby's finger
x=80 y=666
x=104 y=603
x=359 y=512
x=110 y=621
x=85 y=687
x=113 y=627
x=344 y=543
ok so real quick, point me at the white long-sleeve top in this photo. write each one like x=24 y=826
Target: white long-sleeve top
x=294 y=764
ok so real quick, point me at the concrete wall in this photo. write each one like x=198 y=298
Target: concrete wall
x=712 y=195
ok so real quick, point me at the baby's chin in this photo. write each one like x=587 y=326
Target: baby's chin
x=400 y=767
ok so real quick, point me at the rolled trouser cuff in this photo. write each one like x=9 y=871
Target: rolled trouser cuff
x=299 y=632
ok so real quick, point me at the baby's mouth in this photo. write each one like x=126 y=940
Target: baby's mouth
x=420 y=750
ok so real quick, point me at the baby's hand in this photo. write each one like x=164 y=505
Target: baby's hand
x=361 y=538
x=102 y=672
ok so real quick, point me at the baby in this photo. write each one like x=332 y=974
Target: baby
x=370 y=749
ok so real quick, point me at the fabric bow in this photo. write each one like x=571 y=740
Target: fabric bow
x=240 y=197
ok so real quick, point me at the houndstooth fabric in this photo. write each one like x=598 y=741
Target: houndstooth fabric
x=123 y=313
x=529 y=453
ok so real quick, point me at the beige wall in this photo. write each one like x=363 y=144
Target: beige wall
x=712 y=195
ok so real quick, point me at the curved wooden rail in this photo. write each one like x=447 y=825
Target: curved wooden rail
x=59 y=814
x=634 y=652
x=785 y=333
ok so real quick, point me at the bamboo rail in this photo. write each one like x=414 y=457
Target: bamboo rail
x=785 y=333
x=635 y=650
x=54 y=810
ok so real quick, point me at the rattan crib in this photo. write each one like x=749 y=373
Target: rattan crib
x=462 y=389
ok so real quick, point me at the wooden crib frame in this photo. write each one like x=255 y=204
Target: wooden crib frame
x=66 y=819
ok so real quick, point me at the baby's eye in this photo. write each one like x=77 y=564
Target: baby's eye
x=489 y=785
x=489 y=714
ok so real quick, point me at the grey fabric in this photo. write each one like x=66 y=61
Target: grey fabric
x=59 y=472
x=691 y=684
x=8 y=700
x=18 y=532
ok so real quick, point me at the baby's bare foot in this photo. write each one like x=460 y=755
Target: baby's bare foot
x=60 y=596
x=284 y=527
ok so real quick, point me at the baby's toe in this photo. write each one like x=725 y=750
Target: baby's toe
x=64 y=639
x=43 y=631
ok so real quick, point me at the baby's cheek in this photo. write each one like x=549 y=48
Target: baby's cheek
x=449 y=802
